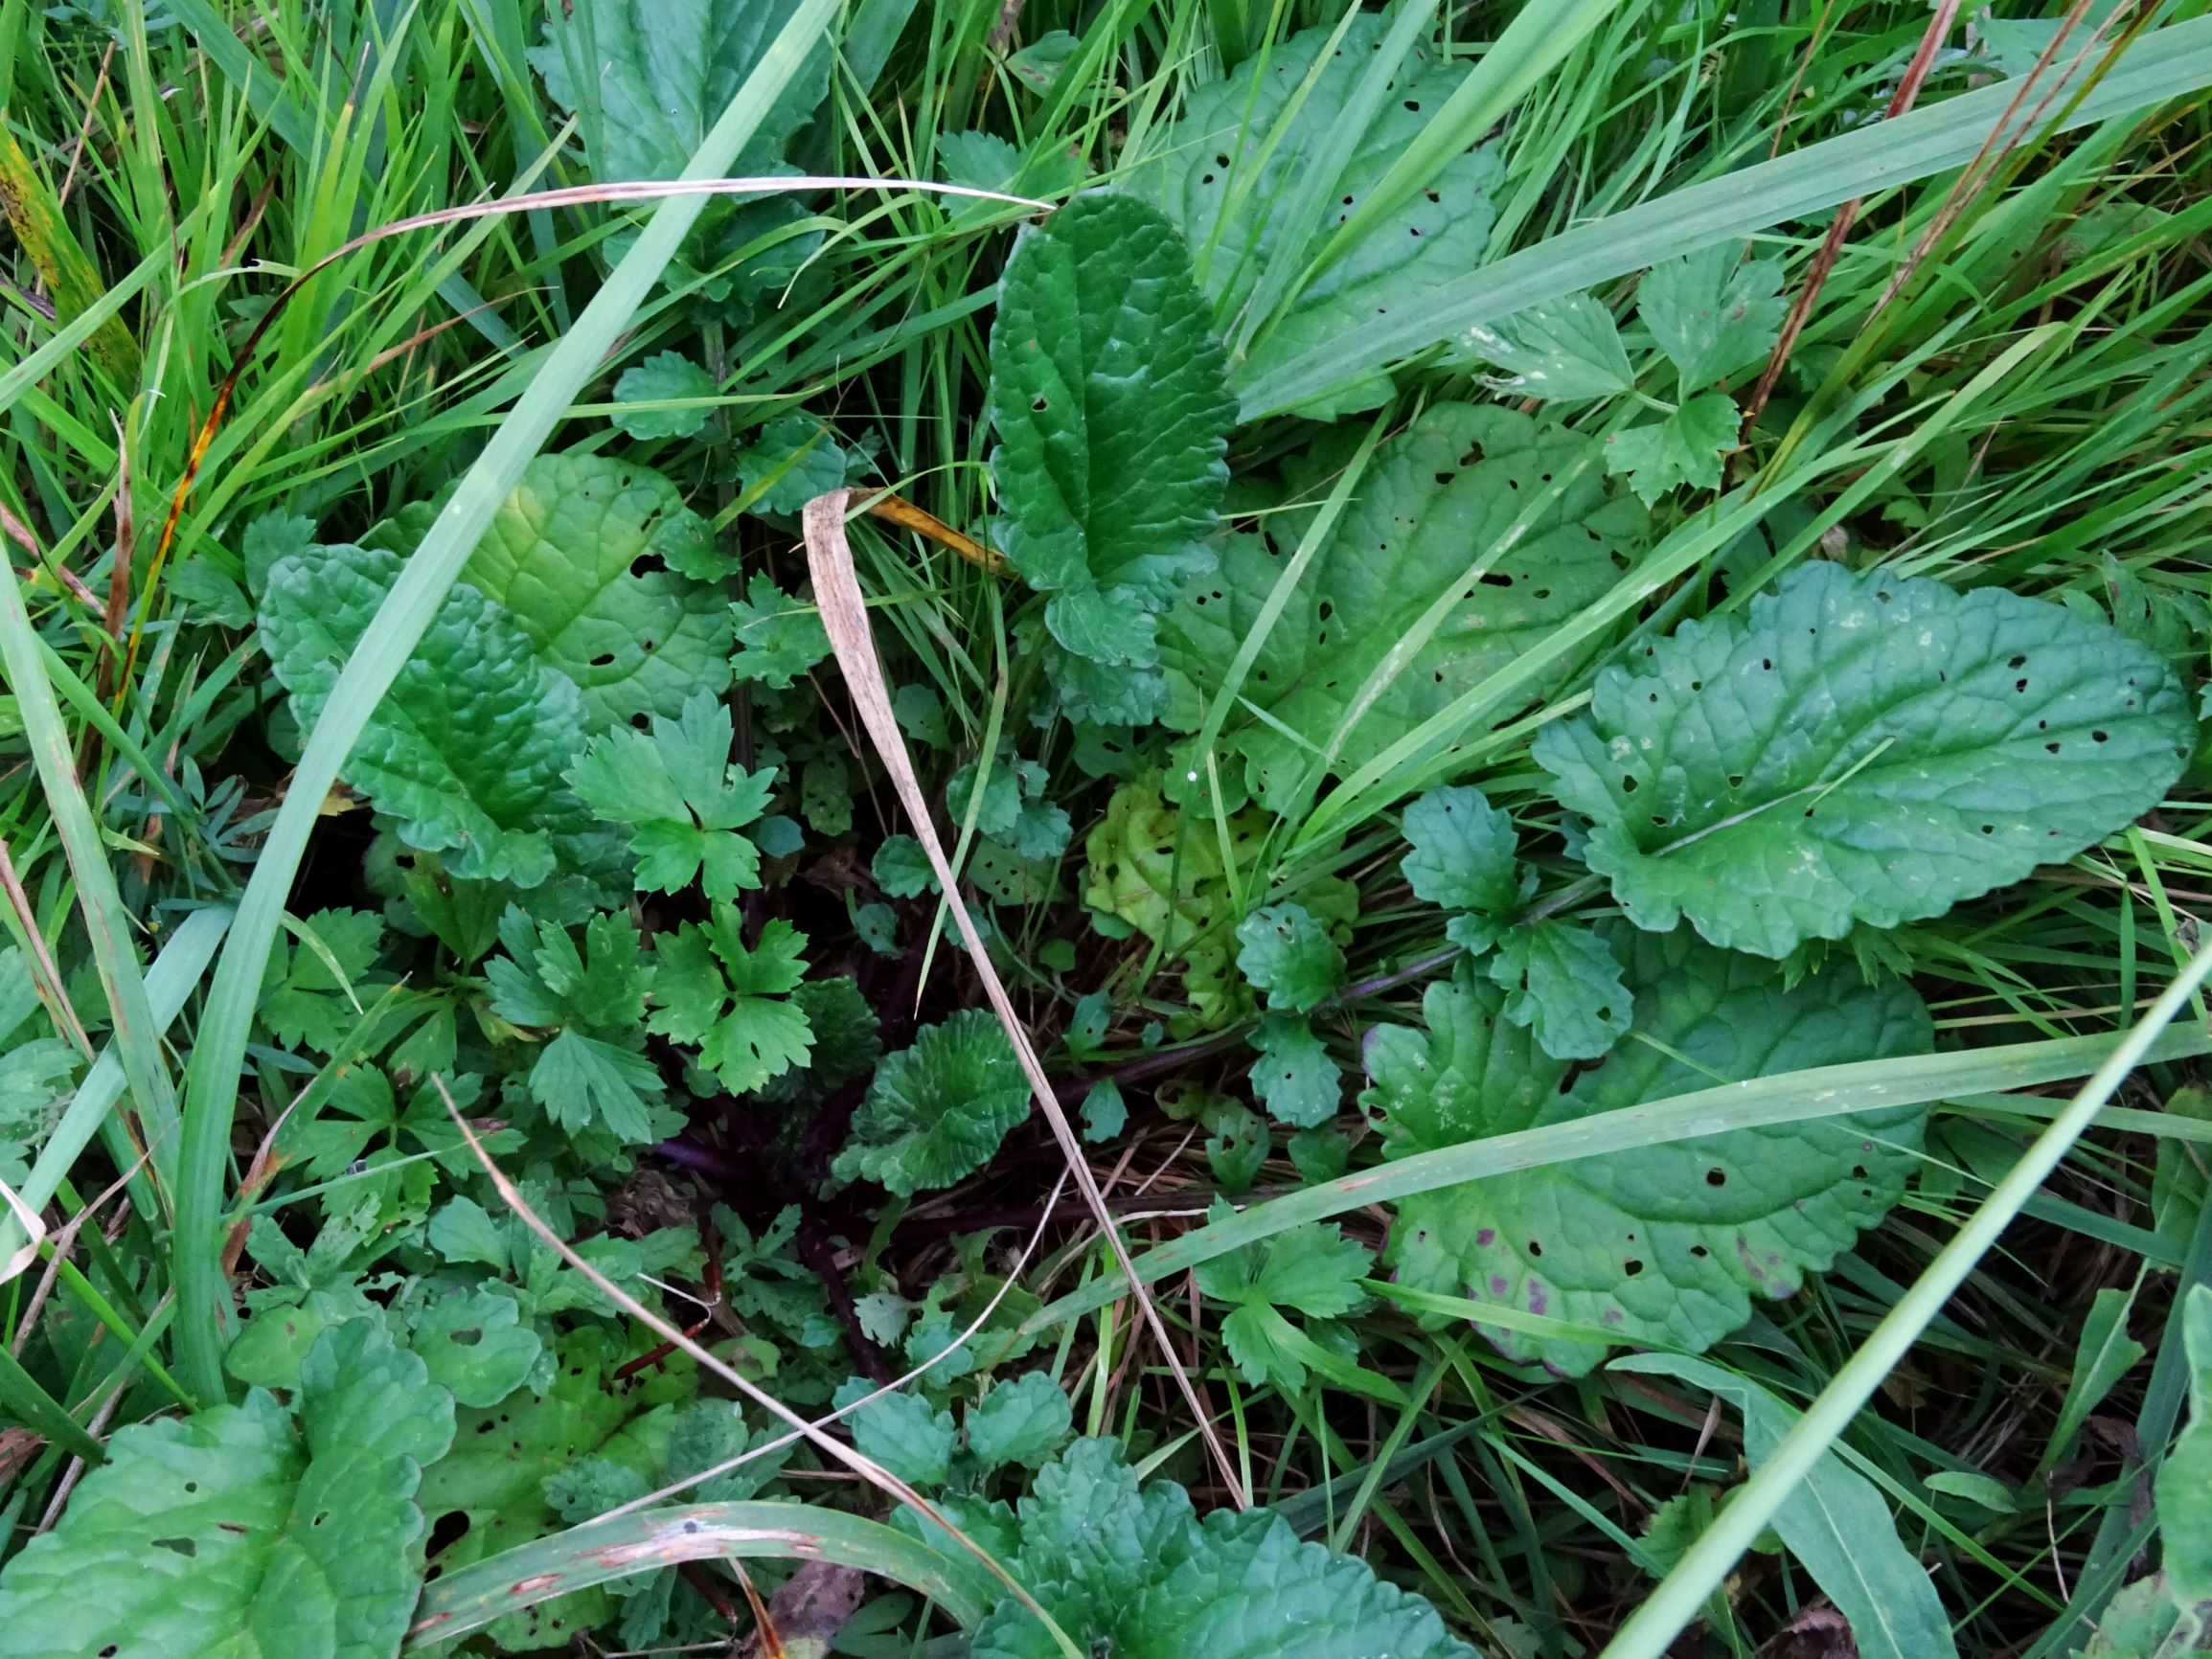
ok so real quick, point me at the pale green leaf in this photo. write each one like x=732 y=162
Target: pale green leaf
x=901 y=1431
x=1561 y=351
x=792 y=460
x=1713 y=313
x=1461 y=853
x=1860 y=748
x=1667 y=1245
x=779 y=638
x=1294 y=1077
x=476 y=1346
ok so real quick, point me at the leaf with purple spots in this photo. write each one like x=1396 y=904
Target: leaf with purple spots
x=1667 y=1245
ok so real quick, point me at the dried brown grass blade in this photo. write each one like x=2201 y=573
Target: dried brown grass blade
x=845 y=618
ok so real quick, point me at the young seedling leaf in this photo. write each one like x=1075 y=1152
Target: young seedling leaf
x=1023 y=1421
x=1562 y=982
x=1860 y=748
x=1686 y=447
x=1288 y=953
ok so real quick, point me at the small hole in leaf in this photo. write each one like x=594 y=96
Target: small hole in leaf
x=1699 y=1251
x=1735 y=780
x=2019 y=662
x=1627 y=784
x=605 y=660
x=2052 y=747
x=2100 y=737
x=1716 y=1177
x=1534 y=1248
x=1496 y=578
x=184 y=1547
x=1989 y=828
x=1038 y=404
x=1631 y=1267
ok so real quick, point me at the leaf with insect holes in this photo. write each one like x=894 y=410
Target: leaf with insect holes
x=1112 y=415
x=1295 y=1077
x=248 y=1528
x=1129 y=1569
x=938 y=1110
x=1563 y=981
x=594 y=560
x=1288 y=953
x=1686 y=447
x=476 y=1346
x=666 y=377
x=1713 y=313
x=1561 y=351
x=468 y=748
x=1447 y=492
x=1230 y=170
x=733 y=1000
x=681 y=796
x=1860 y=749
x=1667 y=1245
x=1024 y=1421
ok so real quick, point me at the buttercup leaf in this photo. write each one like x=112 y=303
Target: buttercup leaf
x=1561 y=351
x=1713 y=313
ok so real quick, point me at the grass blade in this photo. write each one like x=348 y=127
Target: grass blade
x=600 y=1551
x=2168 y=63
x=1791 y=1096
x=212 y=1084
x=1652 y=1631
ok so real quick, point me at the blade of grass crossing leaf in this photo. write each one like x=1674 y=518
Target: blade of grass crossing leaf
x=601 y=1552
x=99 y=901
x=2168 y=63
x=845 y=617
x=1791 y=1096
x=391 y=638
x=1534 y=44
x=1650 y=1631
x=23 y=1399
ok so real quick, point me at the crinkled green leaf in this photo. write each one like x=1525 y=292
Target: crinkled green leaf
x=571 y=557
x=1021 y=1421
x=1686 y=447
x=1563 y=350
x=476 y=1346
x=1112 y=415
x=1228 y=172
x=792 y=460
x=1462 y=856
x=685 y=800
x=901 y=1431
x=1295 y=1077
x=666 y=377
x=1437 y=498
x=239 y=1532
x=1712 y=311
x=901 y=869
x=1135 y=1574
x=778 y=637
x=468 y=748
x=1860 y=748
x=1666 y=1245
x=1562 y=982
x=1286 y=953
x=938 y=1110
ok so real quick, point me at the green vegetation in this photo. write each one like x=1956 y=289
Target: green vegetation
x=1532 y=673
